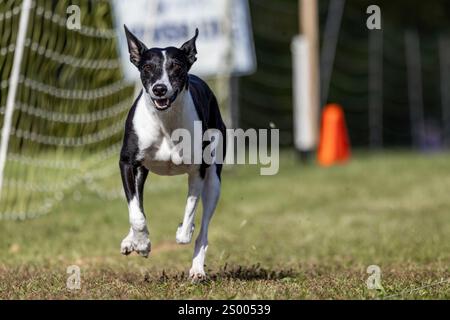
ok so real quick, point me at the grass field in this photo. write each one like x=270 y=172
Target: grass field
x=306 y=233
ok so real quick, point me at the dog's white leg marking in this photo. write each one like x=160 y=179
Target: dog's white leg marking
x=210 y=197
x=137 y=238
x=186 y=229
x=137 y=218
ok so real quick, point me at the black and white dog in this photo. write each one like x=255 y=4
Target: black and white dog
x=171 y=98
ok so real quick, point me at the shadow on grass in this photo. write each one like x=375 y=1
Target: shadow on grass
x=235 y=272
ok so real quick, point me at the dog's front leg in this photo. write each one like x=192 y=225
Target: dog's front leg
x=133 y=179
x=186 y=229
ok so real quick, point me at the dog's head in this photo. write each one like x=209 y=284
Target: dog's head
x=164 y=72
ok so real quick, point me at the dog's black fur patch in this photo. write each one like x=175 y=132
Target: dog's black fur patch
x=208 y=111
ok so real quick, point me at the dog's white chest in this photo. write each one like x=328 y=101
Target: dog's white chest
x=157 y=151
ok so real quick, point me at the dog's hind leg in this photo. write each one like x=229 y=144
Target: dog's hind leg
x=133 y=178
x=186 y=229
x=210 y=197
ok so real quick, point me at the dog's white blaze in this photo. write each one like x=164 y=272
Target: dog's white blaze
x=165 y=76
x=137 y=218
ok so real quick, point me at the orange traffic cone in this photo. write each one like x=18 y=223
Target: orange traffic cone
x=334 y=146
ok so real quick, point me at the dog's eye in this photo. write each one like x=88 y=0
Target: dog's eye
x=147 y=68
x=176 y=66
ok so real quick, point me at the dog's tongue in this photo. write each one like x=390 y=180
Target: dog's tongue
x=161 y=102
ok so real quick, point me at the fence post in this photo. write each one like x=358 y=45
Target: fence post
x=12 y=88
x=415 y=95
x=329 y=44
x=376 y=88
x=444 y=51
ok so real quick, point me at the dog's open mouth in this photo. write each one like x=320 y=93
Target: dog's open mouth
x=165 y=103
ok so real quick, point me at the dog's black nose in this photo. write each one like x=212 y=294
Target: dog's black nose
x=159 y=90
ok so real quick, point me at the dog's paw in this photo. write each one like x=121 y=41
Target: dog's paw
x=138 y=243
x=184 y=236
x=143 y=247
x=197 y=275
x=126 y=247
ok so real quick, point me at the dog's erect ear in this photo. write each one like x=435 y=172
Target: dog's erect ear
x=135 y=47
x=190 y=50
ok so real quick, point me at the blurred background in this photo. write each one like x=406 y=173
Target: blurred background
x=367 y=73
x=340 y=79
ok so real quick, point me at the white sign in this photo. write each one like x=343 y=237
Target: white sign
x=224 y=44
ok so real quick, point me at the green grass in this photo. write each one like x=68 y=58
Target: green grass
x=306 y=233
